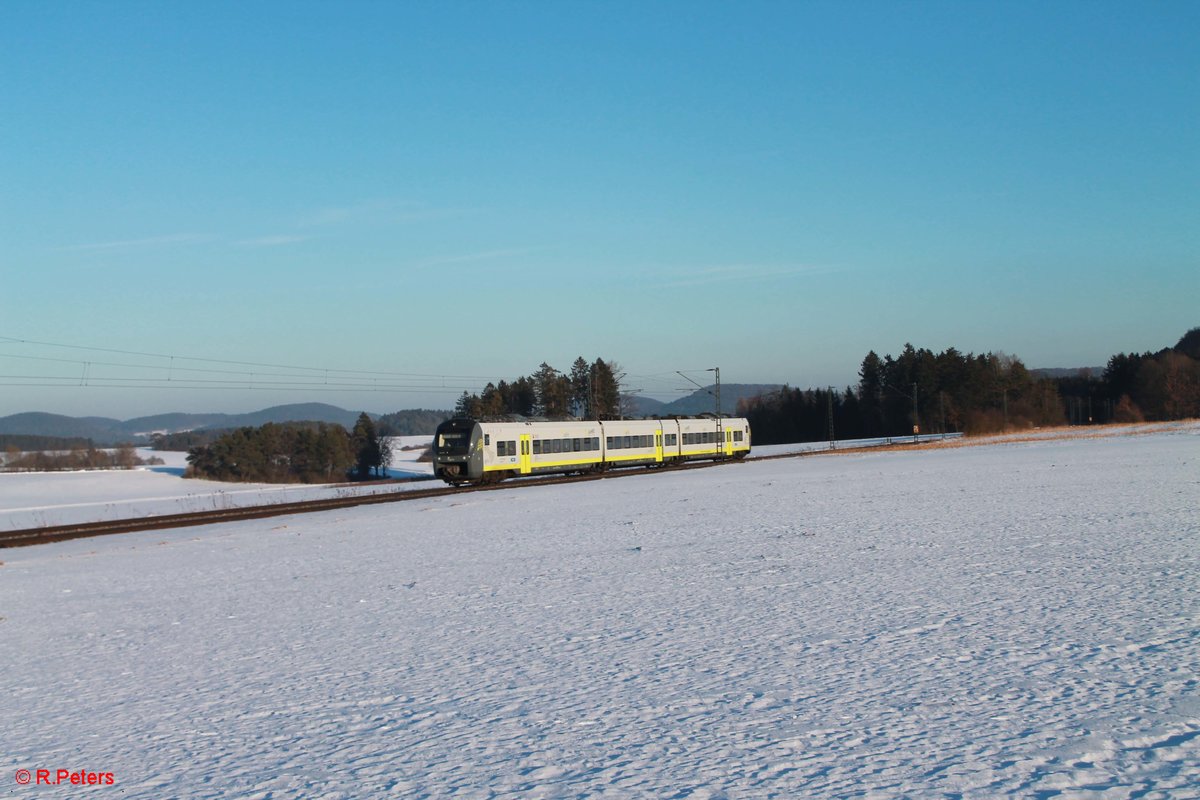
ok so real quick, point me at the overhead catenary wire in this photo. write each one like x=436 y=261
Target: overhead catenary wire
x=202 y=359
x=164 y=370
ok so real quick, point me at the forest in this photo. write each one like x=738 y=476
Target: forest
x=987 y=393
x=293 y=452
x=80 y=456
x=588 y=391
x=918 y=390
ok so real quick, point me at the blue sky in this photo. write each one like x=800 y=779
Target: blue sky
x=405 y=190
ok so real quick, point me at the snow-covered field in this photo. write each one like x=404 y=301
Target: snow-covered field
x=1018 y=619
x=37 y=500
x=33 y=500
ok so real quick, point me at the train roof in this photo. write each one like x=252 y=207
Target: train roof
x=521 y=418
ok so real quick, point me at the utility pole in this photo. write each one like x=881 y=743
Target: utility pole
x=717 y=370
x=916 y=416
x=832 y=441
x=942 y=408
x=720 y=425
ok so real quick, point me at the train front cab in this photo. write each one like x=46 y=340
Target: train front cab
x=457 y=456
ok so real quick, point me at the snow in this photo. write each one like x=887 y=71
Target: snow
x=1017 y=619
x=31 y=500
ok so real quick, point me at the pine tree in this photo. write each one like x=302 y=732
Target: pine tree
x=606 y=390
x=365 y=443
x=553 y=391
x=581 y=384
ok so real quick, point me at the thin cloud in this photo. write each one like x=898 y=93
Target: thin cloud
x=272 y=241
x=153 y=241
x=484 y=255
x=382 y=212
x=747 y=273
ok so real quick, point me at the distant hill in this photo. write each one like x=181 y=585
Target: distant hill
x=36 y=423
x=704 y=400
x=106 y=431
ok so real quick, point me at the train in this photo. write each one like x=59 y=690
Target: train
x=470 y=451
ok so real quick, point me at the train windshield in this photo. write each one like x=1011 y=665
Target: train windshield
x=453 y=443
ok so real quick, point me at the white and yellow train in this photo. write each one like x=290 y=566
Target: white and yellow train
x=470 y=451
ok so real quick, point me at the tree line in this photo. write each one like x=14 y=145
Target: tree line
x=30 y=442
x=588 y=391
x=410 y=422
x=293 y=452
x=954 y=391
x=1138 y=387
x=919 y=390
x=80 y=456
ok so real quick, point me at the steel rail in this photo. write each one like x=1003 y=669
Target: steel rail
x=58 y=533
x=26 y=537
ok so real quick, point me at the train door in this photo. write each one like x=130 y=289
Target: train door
x=526 y=453
x=728 y=442
x=658 y=453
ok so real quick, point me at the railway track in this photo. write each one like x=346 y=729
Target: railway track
x=58 y=533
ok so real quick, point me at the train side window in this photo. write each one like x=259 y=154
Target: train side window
x=625 y=442
x=487 y=438
x=608 y=442
x=537 y=447
x=512 y=448
x=501 y=449
x=574 y=445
